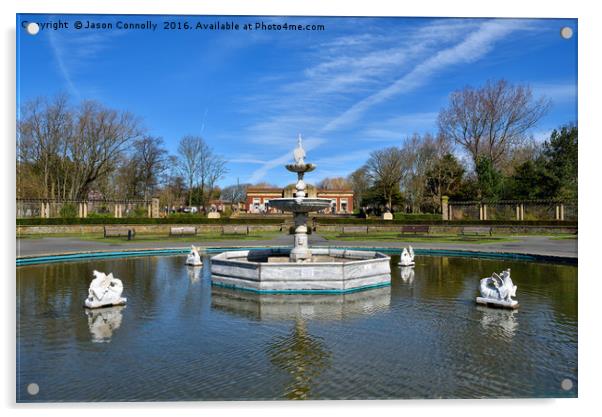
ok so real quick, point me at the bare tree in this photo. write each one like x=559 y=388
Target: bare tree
x=490 y=120
x=44 y=130
x=173 y=187
x=190 y=151
x=334 y=183
x=384 y=168
x=150 y=162
x=235 y=194
x=100 y=136
x=212 y=170
x=360 y=183
x=420 y=153
x=197 y=160
x=72 y=148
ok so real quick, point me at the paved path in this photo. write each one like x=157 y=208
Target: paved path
x=533 y=245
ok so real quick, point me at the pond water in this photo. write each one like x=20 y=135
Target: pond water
x=179 y=338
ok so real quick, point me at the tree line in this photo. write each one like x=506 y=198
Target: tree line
x=483 y=150
x=87 y=150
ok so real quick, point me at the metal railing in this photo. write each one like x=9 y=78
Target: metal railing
x=512 y=210
x=50 y=208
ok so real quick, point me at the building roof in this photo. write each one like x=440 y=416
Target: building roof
x=264 y=190
x=279 y=190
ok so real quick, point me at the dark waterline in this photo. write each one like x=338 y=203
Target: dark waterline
x=179 y=338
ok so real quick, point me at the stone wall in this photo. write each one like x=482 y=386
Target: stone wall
x=255 y=228
x=139 y=228
x=499 y=230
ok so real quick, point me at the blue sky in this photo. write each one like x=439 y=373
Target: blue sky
x=360 y=84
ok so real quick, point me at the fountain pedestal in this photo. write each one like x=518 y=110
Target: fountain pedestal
x=300 y=206
x=307 y=270
x=300 y=252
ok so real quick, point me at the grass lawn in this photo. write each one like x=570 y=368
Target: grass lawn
x=158 y=237
x=396 y=237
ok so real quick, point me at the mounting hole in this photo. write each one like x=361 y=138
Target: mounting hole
x=33 y=28
x=33 y=389
x=566 y=32
x=566 y=384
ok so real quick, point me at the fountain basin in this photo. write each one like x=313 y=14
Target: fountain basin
x=300 y=167
x=330 y=270
x=300 y=205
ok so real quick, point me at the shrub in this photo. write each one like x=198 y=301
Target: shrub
x=68 y=211
x=98 y=216
x=416 y=216
x=137 y=212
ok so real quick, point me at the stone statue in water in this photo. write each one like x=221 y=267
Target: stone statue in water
x=498 y=290
x=407 y=257
x=105 y=290
x=194 y=258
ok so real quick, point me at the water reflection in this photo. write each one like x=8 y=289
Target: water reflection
x=194 y=273
x=407 y=274
x=420 y=338
x=499 y=322
x=102 y=322
x=295 y=306
x=301 y=355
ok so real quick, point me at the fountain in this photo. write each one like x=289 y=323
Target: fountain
x=301 y=268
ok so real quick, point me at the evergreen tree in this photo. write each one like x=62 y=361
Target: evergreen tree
x=489 y=179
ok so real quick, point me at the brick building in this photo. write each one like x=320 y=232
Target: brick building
x=258 y=198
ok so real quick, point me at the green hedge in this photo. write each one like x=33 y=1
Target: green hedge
x=278 y=220
x=145 y=220
x=448 y=223
x=422 y=216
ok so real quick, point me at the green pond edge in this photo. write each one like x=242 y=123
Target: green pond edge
x=34 y=260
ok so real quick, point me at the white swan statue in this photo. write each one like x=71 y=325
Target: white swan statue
x=498 y=290
x=105 y=290
x=193 y=258
x=407 y=257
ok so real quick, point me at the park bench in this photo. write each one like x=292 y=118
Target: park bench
x=112 y=231
x=421 y=228
x=476 y=230
x=235 y=230
x=182 y=231
x=354 y=229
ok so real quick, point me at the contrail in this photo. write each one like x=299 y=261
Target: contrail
x=203 y=122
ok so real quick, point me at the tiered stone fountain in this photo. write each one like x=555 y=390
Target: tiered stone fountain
x=300 y=205
x=301 y=269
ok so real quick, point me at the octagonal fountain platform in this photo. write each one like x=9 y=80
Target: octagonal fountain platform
x=301 y=268
x=330 y=270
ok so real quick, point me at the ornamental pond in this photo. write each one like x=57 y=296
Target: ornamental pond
x=180 y=338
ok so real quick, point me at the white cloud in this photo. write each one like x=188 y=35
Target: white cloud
x=75 y=53
x=558 y=93
x=259 y=174
x=322 y=97
x=398 y=127
x=473 y=47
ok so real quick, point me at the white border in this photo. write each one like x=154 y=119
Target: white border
x=589 y=112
